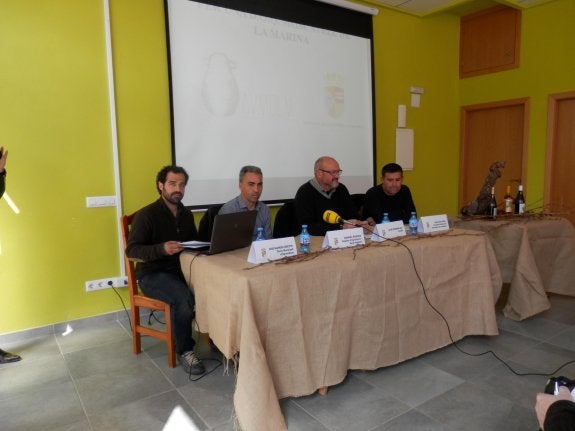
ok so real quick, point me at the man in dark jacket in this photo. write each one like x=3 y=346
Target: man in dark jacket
x=154 y=240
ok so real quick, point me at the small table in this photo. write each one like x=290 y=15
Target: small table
x=301 y=326
x=536 y=255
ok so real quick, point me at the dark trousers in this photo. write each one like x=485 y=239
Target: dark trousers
x=173 y=290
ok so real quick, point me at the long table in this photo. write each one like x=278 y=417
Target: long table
x=535 y=254
x=302 y=325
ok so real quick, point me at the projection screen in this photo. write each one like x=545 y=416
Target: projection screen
x=250 y=89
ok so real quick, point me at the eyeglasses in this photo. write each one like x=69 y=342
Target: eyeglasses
x=332 y=173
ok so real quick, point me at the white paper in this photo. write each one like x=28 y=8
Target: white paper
x=401 y=115
x=272 y=249
x=384 y=231
x=344 y=238
x=194 y=244
x=404 y=148
x=434 y=223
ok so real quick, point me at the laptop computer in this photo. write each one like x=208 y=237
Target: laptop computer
x=230 y=231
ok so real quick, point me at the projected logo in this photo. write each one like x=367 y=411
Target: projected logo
x=220 y=90
x=334 y=95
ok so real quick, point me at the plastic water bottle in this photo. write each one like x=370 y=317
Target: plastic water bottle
x=385 y=218
x=260 y=234
x=413 y=224
x=304 y=240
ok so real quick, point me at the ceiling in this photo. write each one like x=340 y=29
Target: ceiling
x=423 y=8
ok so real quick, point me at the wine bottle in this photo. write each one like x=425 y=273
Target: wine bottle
x=520 y=201
x=508 y=201
x=492 y=205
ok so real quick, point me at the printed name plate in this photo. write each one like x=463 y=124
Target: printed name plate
x=344 y=238
x=388 y=230
x=272 y=249
x=434 y=223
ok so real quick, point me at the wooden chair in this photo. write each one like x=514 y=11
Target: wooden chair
x=139 y=300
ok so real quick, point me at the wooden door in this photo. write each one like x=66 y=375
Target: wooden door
x=493 y=132
x=559 y=191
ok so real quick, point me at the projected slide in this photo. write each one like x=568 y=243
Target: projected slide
x=247 y=89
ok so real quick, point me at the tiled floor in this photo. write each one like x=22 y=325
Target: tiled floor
x=88 y=379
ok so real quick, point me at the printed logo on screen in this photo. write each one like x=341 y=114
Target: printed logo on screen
x=220 y=90
x=334 y=94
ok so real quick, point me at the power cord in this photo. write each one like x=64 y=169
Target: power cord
x=122 y=301
x=453 y=342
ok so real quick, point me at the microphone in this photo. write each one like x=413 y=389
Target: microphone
x=332 y=217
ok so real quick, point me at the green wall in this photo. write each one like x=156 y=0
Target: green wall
x=54 y=119
x=547 y=66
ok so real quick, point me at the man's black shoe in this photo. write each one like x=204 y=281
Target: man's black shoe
x=190 y=363
x=6 y=357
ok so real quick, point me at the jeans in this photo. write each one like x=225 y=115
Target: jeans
x=173 y=290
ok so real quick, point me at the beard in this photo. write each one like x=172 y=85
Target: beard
x=173 y=198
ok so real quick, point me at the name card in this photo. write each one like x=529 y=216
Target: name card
x=272 y=249
x=388 y=230
x=434 y=223
x=344 y=238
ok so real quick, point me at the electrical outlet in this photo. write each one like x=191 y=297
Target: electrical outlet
x=106 y=283
x=100 y=201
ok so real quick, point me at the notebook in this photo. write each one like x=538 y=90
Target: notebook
x=230 y=231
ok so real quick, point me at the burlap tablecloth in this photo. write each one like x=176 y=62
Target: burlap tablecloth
x=301 y=326
x=535 y=255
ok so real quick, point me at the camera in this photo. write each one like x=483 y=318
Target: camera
x=556 y=382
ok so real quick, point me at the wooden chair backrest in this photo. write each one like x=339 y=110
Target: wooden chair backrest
x=130 y=267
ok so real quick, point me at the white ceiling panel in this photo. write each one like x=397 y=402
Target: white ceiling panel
x=460 y=7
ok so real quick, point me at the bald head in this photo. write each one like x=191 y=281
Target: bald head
x=327 y=172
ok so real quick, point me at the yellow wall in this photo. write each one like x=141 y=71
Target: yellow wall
x=410 y=51
x=547 y=66
x=54 y=120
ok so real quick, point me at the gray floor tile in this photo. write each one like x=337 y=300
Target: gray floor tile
x=51 y=407
x=535 y=327
x=89 y=380
x=561 y=310
x=504 y=345
x=453 y=361
x=227 y=426
x=353 y=404
x=545 y=358
x=412 y=382
x=520 y=390
x=42 y=349
x=412 y=421
x=25 y=377
x=149 y=414
x=80 y=337
x=565 y=339
x=211 y=396
x=469 y=407
x=104 y=358
x=106 y=390
x=297 y=419
x=82 y=425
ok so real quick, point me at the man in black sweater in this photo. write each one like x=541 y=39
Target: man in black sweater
x=391 y=196
x=325 y=192
x=154 y=241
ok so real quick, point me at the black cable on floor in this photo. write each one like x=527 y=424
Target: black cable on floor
x=453 y=342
